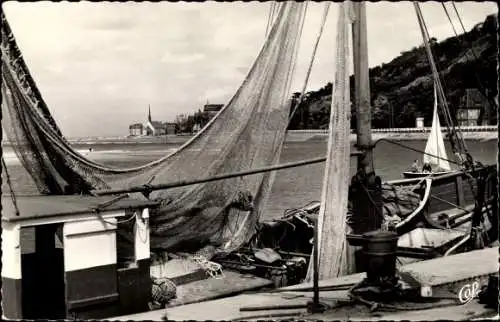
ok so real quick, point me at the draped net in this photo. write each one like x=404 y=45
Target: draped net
x=247 y=133
x=332 y=249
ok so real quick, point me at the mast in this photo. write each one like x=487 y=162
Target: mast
x=362 y=88
x=365 y=191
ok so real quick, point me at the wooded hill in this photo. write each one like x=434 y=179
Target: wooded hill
x=403 y=87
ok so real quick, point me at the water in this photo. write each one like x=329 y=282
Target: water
x=292 y=188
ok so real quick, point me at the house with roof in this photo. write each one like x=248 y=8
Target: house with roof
x=471 y=105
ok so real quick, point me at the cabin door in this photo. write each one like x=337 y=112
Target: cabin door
x=42 y=270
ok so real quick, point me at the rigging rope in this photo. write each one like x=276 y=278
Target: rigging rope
x=449 y=19
x=414 y=149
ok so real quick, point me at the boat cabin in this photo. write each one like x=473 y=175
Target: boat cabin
x=60 y=257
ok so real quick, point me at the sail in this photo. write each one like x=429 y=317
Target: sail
x=435 y=149
x=247 y=133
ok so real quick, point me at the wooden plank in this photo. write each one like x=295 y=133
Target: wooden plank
x=217 y=310
x=230 y=284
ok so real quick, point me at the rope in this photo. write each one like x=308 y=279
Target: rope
x=9 y=183
x=117 y=222
x=449 y=203
x=143 y=237
x=211 y=268
x=414 y=149
x=449 y=19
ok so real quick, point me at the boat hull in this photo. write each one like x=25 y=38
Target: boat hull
x=410 y=175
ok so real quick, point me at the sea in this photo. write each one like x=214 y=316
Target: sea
x=292 y=188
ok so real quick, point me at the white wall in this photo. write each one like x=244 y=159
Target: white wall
x=89 y=243
x=11 y=250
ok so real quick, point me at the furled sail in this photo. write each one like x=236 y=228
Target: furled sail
x=334 y=198
x=435 y=149
x=247 y=133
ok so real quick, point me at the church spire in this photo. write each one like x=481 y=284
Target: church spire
x=149 y=113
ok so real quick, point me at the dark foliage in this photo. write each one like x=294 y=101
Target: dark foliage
x=402 y=89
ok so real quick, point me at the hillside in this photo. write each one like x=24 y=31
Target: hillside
x=405 y=84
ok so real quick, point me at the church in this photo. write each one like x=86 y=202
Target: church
x=149 y=128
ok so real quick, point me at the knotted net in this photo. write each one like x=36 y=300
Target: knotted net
x=247 y=133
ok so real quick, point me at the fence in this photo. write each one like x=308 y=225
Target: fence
x=482 y=128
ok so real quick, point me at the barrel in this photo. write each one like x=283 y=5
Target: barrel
x=379 y=252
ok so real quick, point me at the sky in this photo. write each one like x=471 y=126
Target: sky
x=99 y=65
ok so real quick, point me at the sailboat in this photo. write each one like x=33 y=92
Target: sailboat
x=435 y=151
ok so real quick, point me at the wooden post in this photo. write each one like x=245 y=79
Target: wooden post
x=365 y=192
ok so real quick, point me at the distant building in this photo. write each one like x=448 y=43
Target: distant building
x=136 y=129
x=149 y=128
x=212 y=109
x=170 y=128
x=471 y=105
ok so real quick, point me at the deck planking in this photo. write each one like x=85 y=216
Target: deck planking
x=231 y=283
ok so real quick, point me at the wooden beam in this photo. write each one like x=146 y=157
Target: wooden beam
x=182 y=183
x=362 y=88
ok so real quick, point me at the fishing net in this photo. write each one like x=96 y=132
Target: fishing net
x=332 y=250
x=247 y=133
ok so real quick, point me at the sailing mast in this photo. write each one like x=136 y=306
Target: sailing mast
x=365 y=189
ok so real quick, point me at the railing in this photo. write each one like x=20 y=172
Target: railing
x=482 y=128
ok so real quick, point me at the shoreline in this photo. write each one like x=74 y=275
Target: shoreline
x=292 y=136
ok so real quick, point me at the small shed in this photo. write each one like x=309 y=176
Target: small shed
x=60 y=257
